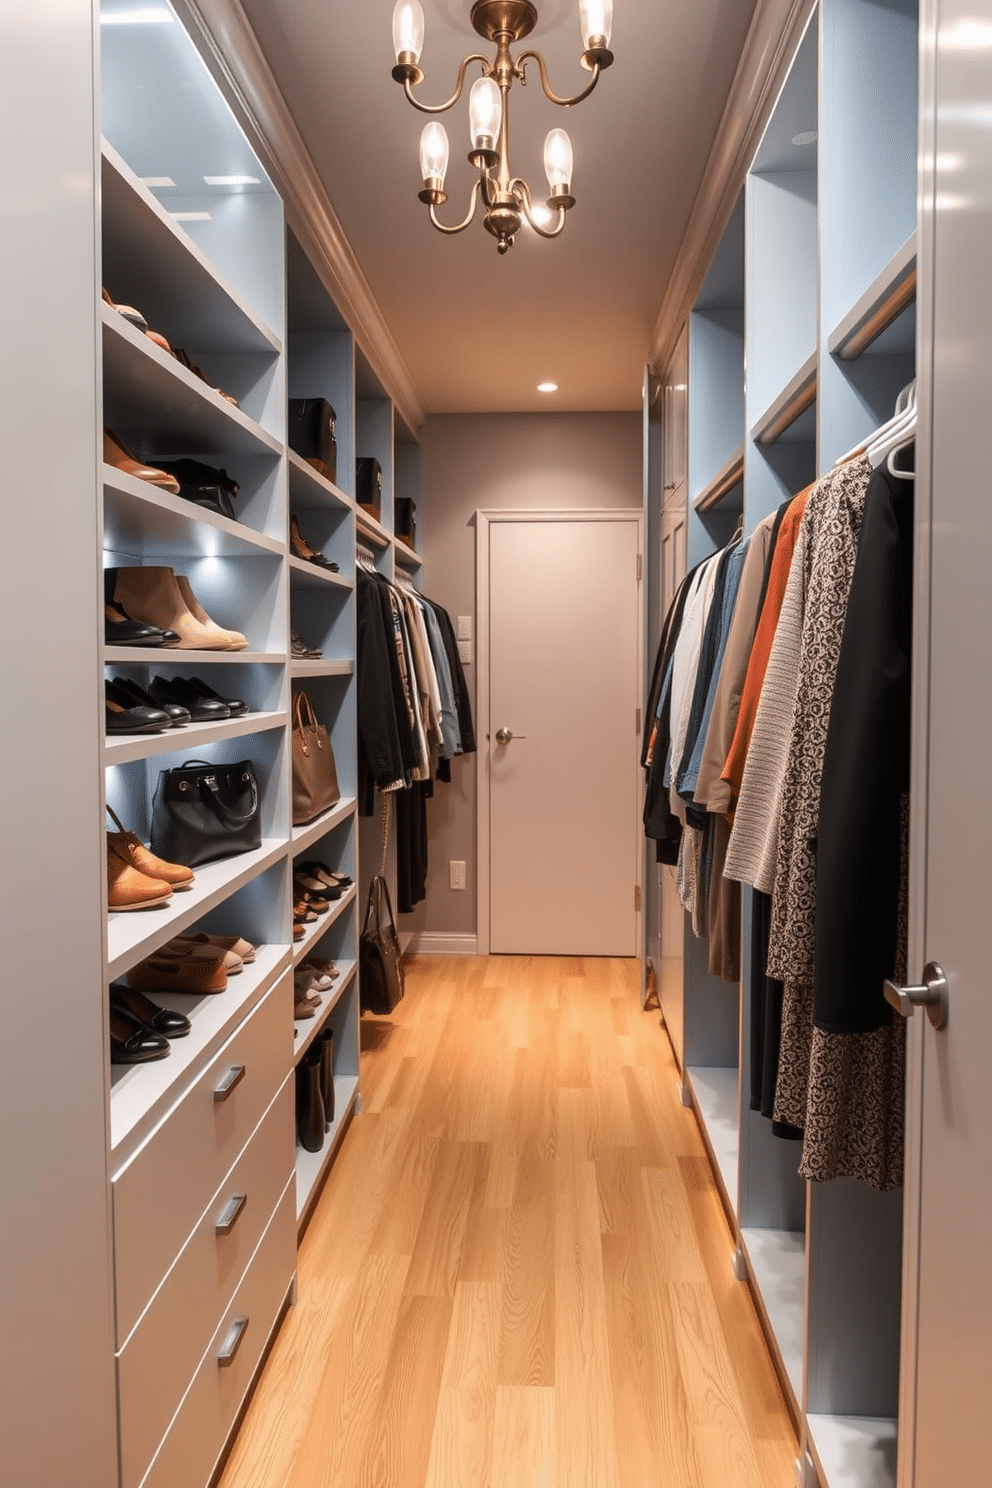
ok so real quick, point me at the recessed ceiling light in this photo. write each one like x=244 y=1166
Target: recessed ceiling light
x=190 y=216
x=809 y=137
x=158 y=181
x=139 y=15
x=547 y=387
x=232 y=180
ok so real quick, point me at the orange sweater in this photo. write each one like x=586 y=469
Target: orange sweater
x=778 y=574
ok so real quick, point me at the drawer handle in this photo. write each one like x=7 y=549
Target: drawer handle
x=231 y=1213
x=230 y=1082
x=231 y=1344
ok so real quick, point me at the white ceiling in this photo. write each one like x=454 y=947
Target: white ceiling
x=478 y=331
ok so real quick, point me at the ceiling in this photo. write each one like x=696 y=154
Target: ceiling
x=478 y=332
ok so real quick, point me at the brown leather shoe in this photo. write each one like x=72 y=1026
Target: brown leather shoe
x=114 y=453
x=186 y=945
x=130 y=847
x=154 y=590
x=242 y=948
x=178 y=974
x=127 y=887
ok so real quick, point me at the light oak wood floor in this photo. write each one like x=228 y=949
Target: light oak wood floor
x=519 y=1272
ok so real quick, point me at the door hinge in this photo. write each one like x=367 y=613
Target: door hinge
x=637 y=898
x=639 y=566
x=637 y=725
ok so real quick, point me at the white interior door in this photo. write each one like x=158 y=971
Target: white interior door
x=563 y=651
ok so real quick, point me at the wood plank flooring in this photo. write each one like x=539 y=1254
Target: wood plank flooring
x=519 y=1272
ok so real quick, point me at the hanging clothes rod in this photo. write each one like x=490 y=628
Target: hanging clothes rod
x=365 y=556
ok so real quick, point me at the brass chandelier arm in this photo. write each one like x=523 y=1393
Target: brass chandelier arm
x=549 y=94
x=521 y=190
x=473 y=202
x=442 y=108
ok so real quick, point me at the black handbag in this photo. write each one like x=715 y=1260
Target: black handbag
x=312 y=432
x=368 y=485
x=203 y=812
x=204 y=485
x=380 y=963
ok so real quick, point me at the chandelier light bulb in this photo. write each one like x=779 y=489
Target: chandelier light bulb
x=434 y=154
x=596 y=20
x=408 y=30
x=485 y=114
x=558 y=160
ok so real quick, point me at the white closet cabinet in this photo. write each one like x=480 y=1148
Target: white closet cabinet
x=868 y=196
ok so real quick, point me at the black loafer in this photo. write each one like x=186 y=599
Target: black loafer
x=178 y=690
x=162 y=1020
x=234 y=705
x=131 y=1039
x=120 y=630
x=179 y=716
x=122 y=717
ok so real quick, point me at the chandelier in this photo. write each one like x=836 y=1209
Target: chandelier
x=506 y=199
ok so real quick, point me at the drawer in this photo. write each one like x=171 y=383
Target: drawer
x=162 y=1192
x=162 y=1354
x=189 y=1453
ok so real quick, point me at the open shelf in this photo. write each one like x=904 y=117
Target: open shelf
x=309 y=490
x=134 y=934
x=716 y=1093
x=311 y=1166
x=319 y=667
x=406 y=557
x=121 y=749
x=796 y=397
x=881 y=304
x=140 y=1094
x=307 y=1029
x=158 y=656
x=148 y=255
x=723 y=484
x=306 y=575
x=315 y=930
x=136 y=513
x=777 y=1262
x=369 y=530
x=311 y=832
x=853 y=1451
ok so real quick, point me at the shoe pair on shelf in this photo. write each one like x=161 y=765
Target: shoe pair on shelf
x=193 y=695
x=157 y=596
x=135 y=318
x=315 y=1092
x=301 y=651
x=140 y=1030
x=136 y=878
x=329 y=884
x=310 y=979
x=302 y=549
x=176 y=968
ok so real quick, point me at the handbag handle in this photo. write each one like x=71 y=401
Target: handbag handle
x=210 y=781
x=298 y=722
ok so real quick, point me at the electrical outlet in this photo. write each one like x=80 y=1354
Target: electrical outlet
x=465 y=652
x=456 y=874
x=464 y=627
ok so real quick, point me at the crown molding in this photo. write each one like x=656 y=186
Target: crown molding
x=230 y=49
x=776 y=29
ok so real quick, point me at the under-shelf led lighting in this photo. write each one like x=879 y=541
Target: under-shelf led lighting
x=232 y=180
x=547 y=387
x=190 y=216
x=157 y=183
x=808 y=137
x=139 y=15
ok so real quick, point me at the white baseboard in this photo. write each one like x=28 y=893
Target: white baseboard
x=441 y=943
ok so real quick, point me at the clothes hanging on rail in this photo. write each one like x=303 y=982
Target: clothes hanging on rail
x=414 y=714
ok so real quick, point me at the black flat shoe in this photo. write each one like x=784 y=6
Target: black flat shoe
x=122 y=717
x=120 y=630
x=234 y=705
x=132 y=1041
x=177 y=690
x=178 y=715
x=162 y=1020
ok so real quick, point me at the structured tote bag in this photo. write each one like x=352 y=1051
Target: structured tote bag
x=203 y=812
x=379 y=960
x=315 y=777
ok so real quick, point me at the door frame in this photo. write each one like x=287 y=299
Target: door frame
x=484 y=521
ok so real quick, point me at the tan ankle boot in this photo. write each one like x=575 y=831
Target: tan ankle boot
x=238 y=642
x=153 y=590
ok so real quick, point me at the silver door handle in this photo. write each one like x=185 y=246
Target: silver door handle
x=932 y=995
x=505 y=735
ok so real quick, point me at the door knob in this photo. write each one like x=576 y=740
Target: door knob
x=504 y=735
x=932 y=995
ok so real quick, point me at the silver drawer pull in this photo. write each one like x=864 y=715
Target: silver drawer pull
x=231 y=1213
x=230 y=1082
x=232 y=1343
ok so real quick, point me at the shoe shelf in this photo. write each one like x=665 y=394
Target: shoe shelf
x=311 y=1166
x=306 y=575
x=776 y=1260
x=371 y=531
x=309 y=490
x=148 y=257
x=157 y=656
x=141 y=517
x=311 y=832
x=315 y=930
x=153 y=401
x=141 y=1094
x=121 y=749
x=307 y=1029
x=322 y=668
x=853 y=1451
x=135 y=934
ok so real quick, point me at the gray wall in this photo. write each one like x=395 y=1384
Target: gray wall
x=499 y=461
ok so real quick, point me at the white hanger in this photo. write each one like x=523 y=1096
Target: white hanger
x=902 y=420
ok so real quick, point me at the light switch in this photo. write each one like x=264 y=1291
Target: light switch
x=464 y=627
x=465 y=651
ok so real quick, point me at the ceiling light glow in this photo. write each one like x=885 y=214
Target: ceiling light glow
x=808 y=137
x=139 y=15
x=232 y=180
x=190 y=216
x=547 y=387
x=157 y=182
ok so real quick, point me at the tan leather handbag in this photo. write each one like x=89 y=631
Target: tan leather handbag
x=315 y=778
